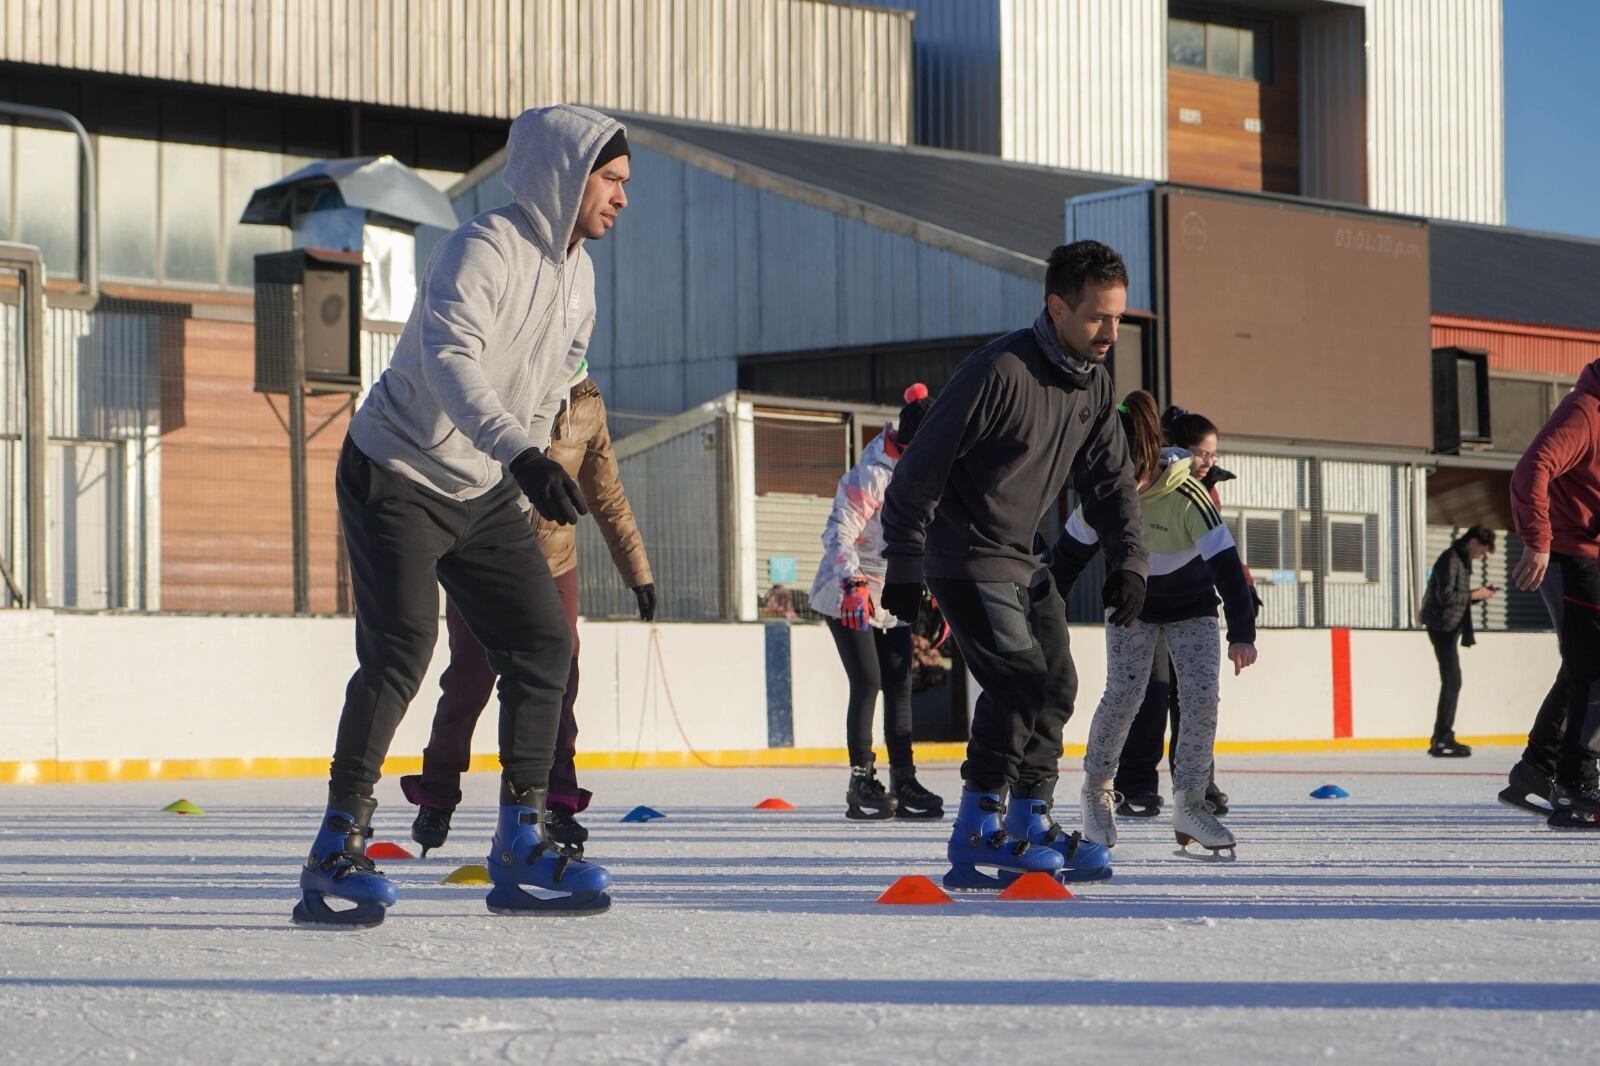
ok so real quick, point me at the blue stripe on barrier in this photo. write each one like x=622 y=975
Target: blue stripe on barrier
x=780 y=687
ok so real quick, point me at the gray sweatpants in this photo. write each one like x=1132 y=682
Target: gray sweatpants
x=1196 y=648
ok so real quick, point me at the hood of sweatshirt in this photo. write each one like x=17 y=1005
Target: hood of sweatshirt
x=548 y=158
x=1589 y=380
x=1170 y=479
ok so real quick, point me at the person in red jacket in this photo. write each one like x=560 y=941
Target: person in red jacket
x=1555 y=503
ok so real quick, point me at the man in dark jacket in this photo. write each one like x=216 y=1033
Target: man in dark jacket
x=1447 y=613
x=961 y=514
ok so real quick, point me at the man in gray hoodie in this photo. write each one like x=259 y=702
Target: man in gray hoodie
x=438 y=471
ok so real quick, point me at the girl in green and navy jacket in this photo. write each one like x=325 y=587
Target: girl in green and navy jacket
x=1192 y=559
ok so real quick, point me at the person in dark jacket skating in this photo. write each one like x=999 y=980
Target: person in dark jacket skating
x=1447 y=613
x=962 y=513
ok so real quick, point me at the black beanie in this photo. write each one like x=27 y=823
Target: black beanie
x=917 y=403
x=617 y=145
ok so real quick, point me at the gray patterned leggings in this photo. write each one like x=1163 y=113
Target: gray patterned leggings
x=1196 y=647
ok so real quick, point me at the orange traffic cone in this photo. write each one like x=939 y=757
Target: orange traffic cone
x=384 y=849
x=914 y=889
x=774 y=804
x=1035 y=886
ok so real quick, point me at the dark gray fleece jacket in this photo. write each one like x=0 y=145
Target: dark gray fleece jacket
x=993 y=454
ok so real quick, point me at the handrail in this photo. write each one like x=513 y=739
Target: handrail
x=88 y=224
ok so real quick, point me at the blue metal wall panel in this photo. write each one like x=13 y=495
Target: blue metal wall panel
x=1122 y=219
x=702 y=269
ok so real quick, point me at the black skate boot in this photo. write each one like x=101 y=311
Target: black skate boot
x=1145 y=805
x=1575 y=806
x=866 y=798
x=1216 y=799
x=1528 y=789
x=1448 y=748
x=431 y=827
x=911 y=799
x=562 y=828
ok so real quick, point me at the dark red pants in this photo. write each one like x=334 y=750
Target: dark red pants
x=468 y=682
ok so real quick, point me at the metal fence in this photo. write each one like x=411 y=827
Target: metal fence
x=166 y=486
x=167 y=475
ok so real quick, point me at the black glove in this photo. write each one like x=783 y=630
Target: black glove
x=903 y=599
x=1123 y=594
x=647 y=602
x=553 y=494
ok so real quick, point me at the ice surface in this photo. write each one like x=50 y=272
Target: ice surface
x=1417 y=921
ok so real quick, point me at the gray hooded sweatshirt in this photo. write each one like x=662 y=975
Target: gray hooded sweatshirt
x=502 y=321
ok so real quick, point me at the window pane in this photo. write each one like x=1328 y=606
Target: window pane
x=1467 y=397
x=1248 y=43
x=1222 y=56
x=1257 y=59
x=128 y=207
x=1348 y=544
x=5 y=182
x=244 y=173
x=1261 y=544
x=1186 y=44
x=191 y=189
x=47 y=196
x=1517 y=411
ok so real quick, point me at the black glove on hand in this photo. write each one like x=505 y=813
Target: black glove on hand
x=1123 y=595
x=553 y=494
x=903 y=599
x=647 y=602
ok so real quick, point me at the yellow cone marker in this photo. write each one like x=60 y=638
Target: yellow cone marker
x=472 y=874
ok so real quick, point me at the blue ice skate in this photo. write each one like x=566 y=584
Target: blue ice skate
x=531 y=874
x=338 y=868
x=979 y=839
x=1030 y=819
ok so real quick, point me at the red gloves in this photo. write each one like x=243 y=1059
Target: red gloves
x=855 y=610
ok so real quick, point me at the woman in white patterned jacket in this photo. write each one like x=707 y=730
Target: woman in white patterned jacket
x=874 y=645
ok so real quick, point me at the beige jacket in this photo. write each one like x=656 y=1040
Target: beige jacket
x=580 y=442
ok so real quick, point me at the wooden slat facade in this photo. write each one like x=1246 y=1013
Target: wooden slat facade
x=802 y=66
x=1219 y=150
x=226 y=542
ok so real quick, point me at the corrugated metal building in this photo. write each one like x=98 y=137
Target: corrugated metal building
x=806 y=65
x=1392 y=104
x=738 y=245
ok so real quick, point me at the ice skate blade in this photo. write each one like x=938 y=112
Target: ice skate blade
x=1573 y=821
x=862 y=814
x=514 y=901
x=1222 y=853
x=1526 y=801
x=1138 y=812
x=313 y=911
x=919 y=816
x=965 y=877
x=1071 y=877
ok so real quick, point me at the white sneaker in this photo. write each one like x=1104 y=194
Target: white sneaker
x=1099 y=802
x=1194 y=823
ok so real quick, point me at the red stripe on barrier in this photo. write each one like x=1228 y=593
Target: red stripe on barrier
x=1342 y=704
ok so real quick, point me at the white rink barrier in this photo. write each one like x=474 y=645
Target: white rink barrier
x=98 y=697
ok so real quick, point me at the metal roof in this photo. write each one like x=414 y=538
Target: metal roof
x=1015 y=206
x=1515 y=275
